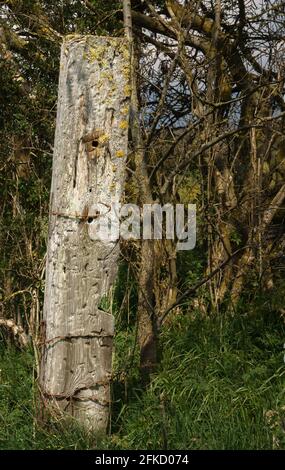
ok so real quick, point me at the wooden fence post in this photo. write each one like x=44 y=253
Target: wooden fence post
x=88 y=168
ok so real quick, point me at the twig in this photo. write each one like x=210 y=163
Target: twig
x=193 y=289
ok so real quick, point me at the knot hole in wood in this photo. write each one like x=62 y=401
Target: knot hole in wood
x=95 y=142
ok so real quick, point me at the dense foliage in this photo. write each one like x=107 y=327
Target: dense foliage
x=220 y=385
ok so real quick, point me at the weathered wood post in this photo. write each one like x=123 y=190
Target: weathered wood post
x=88 y=168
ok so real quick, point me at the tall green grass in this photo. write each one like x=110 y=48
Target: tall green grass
x=220 y=385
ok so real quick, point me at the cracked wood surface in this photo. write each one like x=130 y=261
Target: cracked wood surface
x=88 y=168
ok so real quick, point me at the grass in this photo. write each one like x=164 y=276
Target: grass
x=220 y=385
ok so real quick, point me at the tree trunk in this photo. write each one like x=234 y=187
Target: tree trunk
x=147 y=334
x=88 y=169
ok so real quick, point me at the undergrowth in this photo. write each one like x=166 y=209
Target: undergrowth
x=220 y=385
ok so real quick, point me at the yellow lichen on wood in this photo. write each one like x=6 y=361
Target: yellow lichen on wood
x=96 y=54
x=123 y=125
x=107 y=75
x=103 y=139
x=125 y=110
x=127 y=90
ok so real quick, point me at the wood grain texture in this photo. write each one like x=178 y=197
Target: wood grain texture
x=88 y=168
